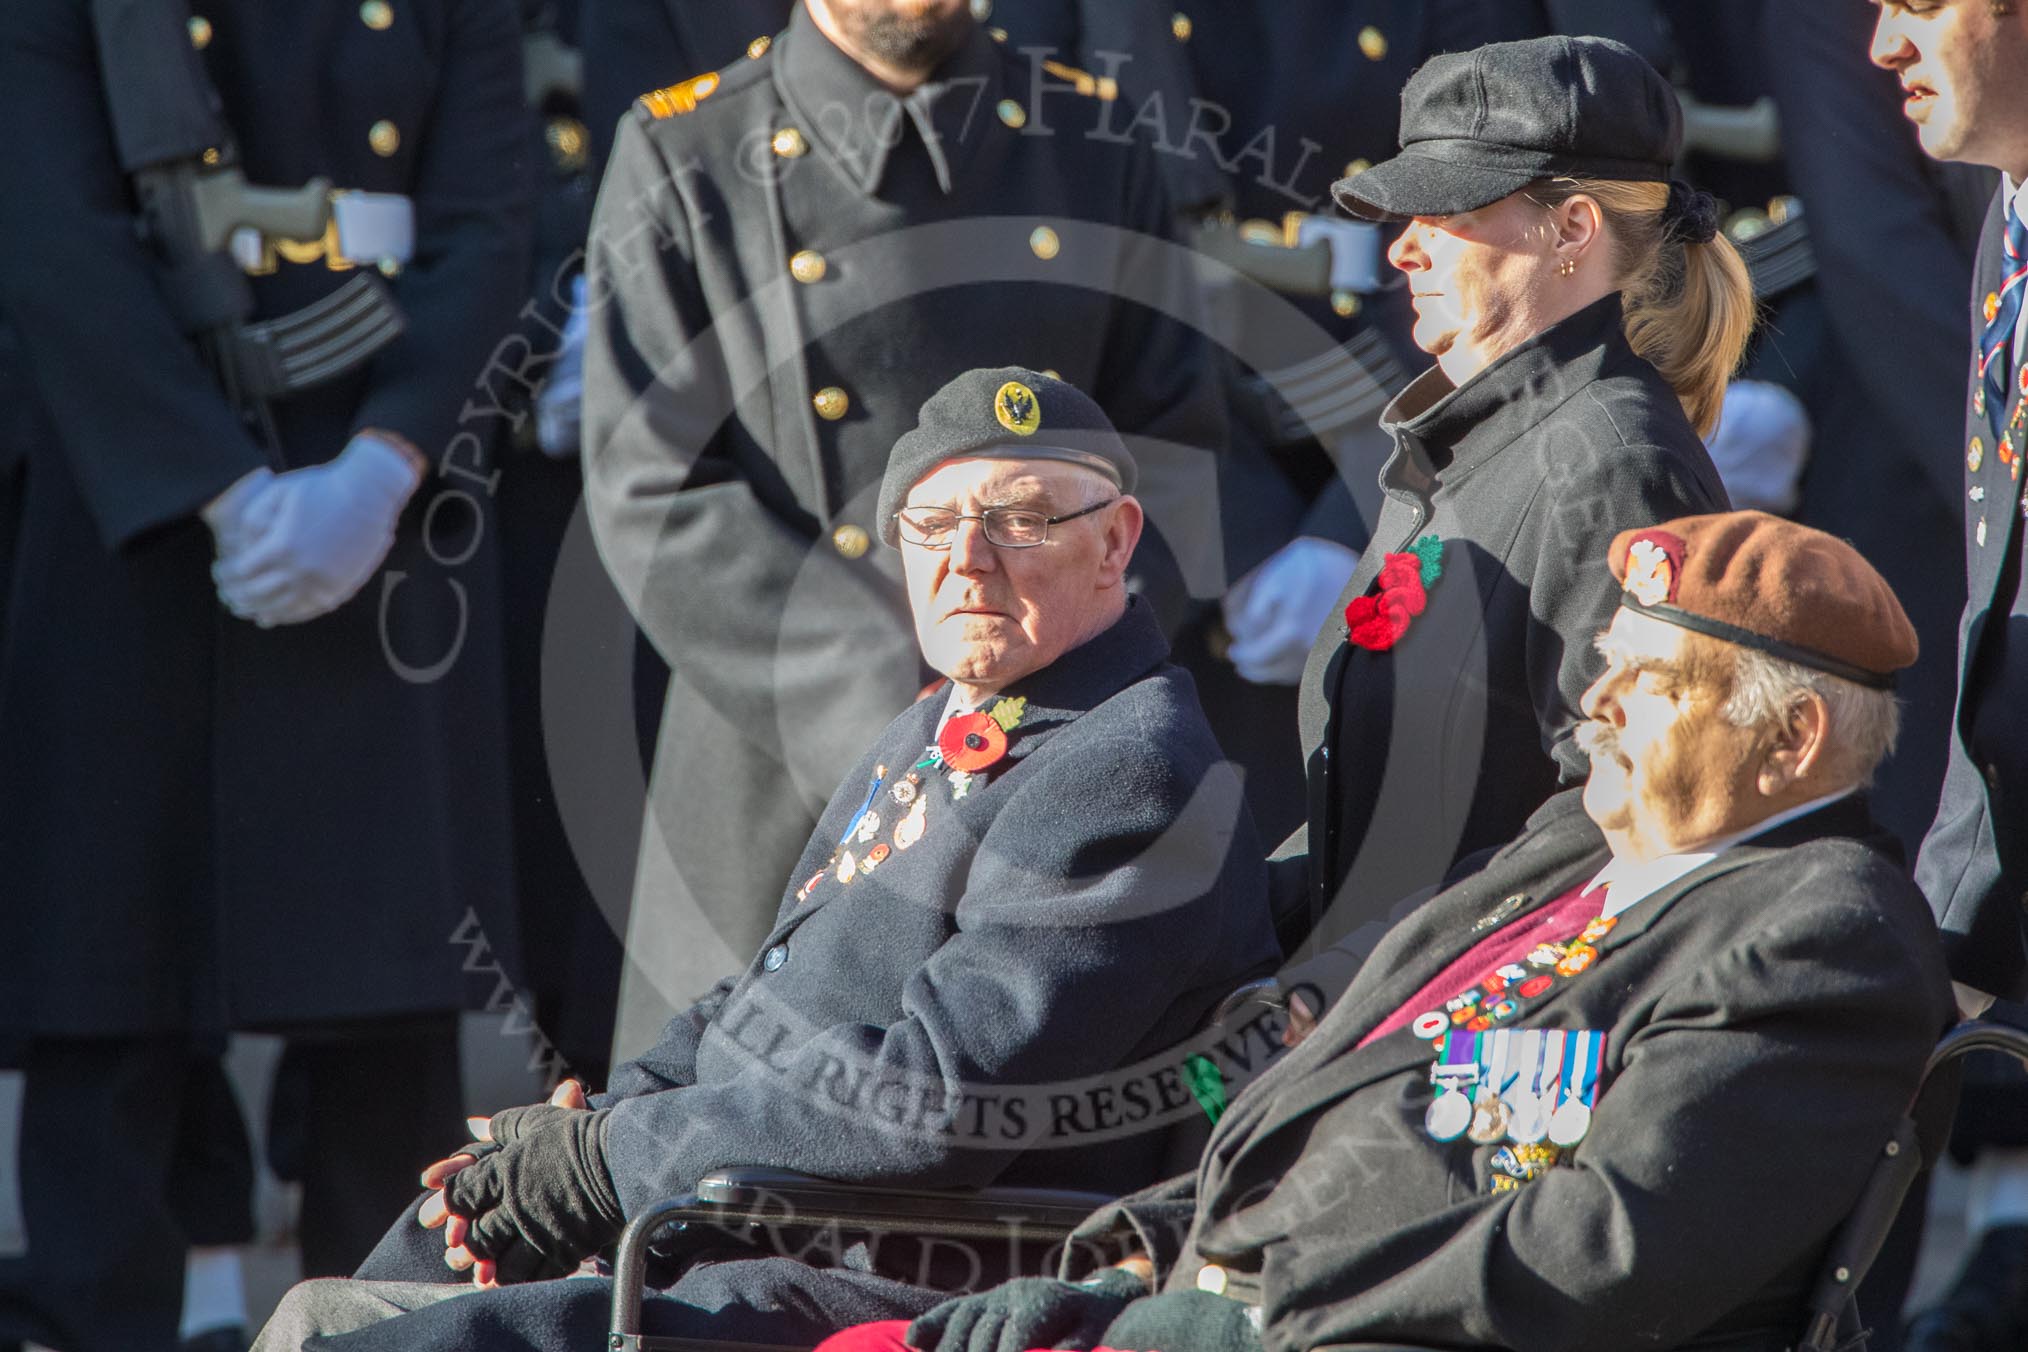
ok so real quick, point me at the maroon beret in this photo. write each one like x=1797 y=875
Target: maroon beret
x=1764 y=582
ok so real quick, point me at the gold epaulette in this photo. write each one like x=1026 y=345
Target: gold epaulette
x=678 y=99
x=1084 y=82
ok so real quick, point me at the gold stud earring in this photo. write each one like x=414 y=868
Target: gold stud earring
x=1567 y=268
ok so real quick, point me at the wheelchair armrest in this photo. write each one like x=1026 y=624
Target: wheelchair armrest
x=782 y=1196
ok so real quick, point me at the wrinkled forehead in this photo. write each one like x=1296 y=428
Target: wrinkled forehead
x=990 y=480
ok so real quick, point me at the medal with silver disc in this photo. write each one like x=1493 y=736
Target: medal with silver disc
x=1578 y=1088
x=1455 y=1072
x=1534 y=1103
x=1449 y=1113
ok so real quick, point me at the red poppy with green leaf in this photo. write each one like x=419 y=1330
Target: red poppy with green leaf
x=1377 y=621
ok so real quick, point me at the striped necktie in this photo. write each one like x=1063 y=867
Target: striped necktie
x=2002 y=312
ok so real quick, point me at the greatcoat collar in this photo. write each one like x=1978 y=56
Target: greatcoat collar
x=858 y=123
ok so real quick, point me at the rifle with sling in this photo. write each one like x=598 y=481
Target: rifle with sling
x=172 y=141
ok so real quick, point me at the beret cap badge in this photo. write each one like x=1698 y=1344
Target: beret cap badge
x=1654 y=560
x=1017 y=409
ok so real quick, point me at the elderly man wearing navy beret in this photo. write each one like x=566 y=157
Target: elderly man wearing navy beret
x=1040 y=875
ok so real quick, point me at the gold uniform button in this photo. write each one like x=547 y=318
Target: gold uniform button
x=200 y=31
x=1975 y=455
x=1344 y=304
x=789 y=144
x=1181 y=26
x=377 y=15
x=1211 y=1277
x=758 y=48
x=830 y=403
x=1051 y=373
x=997 y=34
x=1373 y=43
x=1044 y=242
x=384 y=137
x=851 y=541
x=1357 y=167
x=1013 y=114
x=566 y=139
x=807 y=266
x=211 y=155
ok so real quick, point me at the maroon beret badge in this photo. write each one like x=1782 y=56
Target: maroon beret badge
x=1654 y=567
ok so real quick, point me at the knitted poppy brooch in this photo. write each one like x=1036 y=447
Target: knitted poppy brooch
x=1377 y=621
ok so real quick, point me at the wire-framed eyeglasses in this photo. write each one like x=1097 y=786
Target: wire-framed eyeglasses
x=1007 y=527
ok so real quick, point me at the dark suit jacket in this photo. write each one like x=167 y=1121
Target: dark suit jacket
x=1442 y=745
x=1974 y=862
x=1767 y=1020
x=1080 y=910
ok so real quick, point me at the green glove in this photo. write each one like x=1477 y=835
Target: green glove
x=1028 y=1312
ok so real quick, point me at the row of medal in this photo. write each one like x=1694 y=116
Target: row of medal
x=1525 y=1085
x=908 y=809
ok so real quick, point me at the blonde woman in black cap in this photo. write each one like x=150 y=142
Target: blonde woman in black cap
x=1584 y=316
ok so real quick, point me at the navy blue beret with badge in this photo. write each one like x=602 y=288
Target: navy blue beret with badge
x=1006 y=413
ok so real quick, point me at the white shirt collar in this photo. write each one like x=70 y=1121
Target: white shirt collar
x=956 y=704
x=1634 y=881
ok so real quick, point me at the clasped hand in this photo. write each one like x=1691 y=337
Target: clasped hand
x=532 y=1199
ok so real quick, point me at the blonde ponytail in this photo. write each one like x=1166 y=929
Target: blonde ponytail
x=1689 y=307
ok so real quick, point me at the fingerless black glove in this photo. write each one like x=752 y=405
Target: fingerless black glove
x=545 y=1190
x=1028 y=1312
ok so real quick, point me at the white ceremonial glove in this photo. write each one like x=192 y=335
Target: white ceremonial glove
x=1761 y=446
x=559 y=404
x=233 y=516
x=1275 y=612
x=322 y=533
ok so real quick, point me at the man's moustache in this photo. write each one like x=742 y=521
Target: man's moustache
x=1596 y=739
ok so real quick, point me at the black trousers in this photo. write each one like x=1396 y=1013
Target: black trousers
x=357 y=1113
x=98 y=1130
